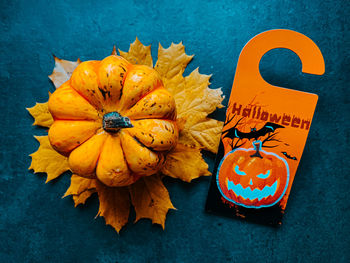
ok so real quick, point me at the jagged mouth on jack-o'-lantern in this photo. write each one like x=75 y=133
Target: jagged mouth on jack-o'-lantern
x=252 y=177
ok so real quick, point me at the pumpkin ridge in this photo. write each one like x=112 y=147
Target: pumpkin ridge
x=156 y=104
x=68 y=104
x=101 y=87
x=139 y=81
x=136 y=176
x=149 y=92
x=112 y=170
x=81 y=95
x=153 y=118
x=130 y=66
x=77 y=91
x=126 y=161
x=85 y=79
x=157 y=135
x=146 y=162
x=64 y=119
x=80 y=142
x=139 y=142
x=99 y=154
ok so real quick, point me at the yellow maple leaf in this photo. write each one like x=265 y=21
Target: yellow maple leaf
x=47 y=160
x=185 y=163
x=41 y=114
x=82 y=197
x=79 y=185
x=63 y=71
x=193 y=97
x=172 y=60
x=194 y=101
x=81 y=189
x=150 y=199
x=201 y=133
x=197 y=97
x=114 y=205
x=138 y=54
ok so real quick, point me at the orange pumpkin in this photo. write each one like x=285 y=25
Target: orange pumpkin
x=253 y=178
x=114 y=120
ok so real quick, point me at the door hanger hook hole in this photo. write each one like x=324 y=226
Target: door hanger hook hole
x=281 y=67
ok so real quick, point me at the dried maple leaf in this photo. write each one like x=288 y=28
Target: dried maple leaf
x=81 y=189
x=81 y=198
x=172 y=60
x=47 y=160
x=193 y=97
x=185 y=163
x=41 y=114
x=114 y=205
x=79 y=185
x=62 y=71
x=138 y=54
x=199 y=98
x=201 y=133
x=150 y=198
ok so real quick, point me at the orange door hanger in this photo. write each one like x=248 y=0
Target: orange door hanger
x=264 y=133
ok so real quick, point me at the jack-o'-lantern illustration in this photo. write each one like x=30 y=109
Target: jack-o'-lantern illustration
x=252 y=177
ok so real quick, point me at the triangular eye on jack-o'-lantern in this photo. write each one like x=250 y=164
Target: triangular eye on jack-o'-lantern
x=264 y=133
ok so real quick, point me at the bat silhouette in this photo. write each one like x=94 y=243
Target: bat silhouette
x=254 y=133
x=289 y=157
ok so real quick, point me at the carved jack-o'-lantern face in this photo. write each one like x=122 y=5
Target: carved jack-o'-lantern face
x=253 y=178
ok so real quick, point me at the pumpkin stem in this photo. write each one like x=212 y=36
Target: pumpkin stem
x=257 y=148
x=113 y=122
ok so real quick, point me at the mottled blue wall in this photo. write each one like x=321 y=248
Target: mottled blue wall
x=36 y=225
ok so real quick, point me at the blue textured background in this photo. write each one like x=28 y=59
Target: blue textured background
x=38 y=226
